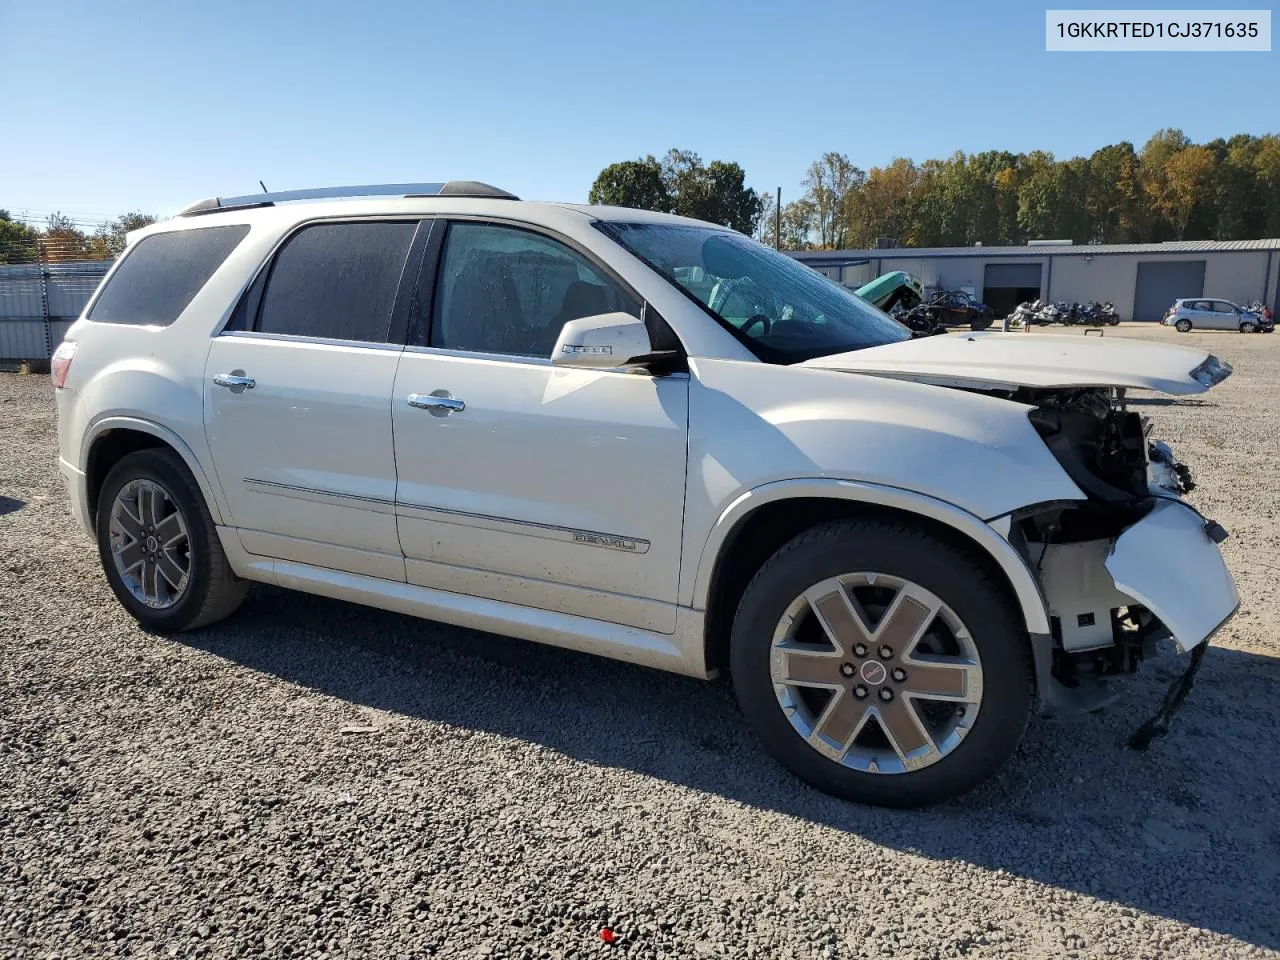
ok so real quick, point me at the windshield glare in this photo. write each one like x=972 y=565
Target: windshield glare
x=784 y=311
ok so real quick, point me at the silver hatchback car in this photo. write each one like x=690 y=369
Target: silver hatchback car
x=1212 y=314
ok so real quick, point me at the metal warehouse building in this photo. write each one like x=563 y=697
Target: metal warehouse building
x=1141 y=280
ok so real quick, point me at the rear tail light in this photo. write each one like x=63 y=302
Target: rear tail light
x=61 y=362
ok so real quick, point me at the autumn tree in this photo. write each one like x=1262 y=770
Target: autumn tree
x=880 y=208
x=1188 y=186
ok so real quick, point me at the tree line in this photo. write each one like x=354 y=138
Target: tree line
x=1170 y=189
x=60 y=238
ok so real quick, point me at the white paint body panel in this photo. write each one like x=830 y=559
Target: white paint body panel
x=306 y=454
x=473 y=518
x=1167 y=562
x=541 y=460
x=1030 y=360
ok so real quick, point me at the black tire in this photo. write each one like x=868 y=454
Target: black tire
x=1113 y=321
x=213 y=591
x=1248 y=327
x=980 y=323
x=896 y=549
x=1183 y=326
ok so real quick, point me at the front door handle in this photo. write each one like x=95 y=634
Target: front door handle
x=439 y=403
x=234 y=380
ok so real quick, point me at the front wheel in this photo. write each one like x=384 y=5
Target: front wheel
x=159 y=547
x=881 y=664
x=1248 y=327
x=1183 y=326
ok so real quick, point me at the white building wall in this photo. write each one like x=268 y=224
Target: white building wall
x=1236 y=276
x=1081 y=279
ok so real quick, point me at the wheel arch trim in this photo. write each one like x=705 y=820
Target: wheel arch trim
x=1025 y=587
x=105 y=425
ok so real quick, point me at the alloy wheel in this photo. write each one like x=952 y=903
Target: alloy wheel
x=150 y=544
x=876 y=673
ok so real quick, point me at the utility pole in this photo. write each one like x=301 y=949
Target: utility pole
x=777 y=221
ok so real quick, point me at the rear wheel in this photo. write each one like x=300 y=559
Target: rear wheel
x=881 y=664
x=1183 y=326
x=159 y=547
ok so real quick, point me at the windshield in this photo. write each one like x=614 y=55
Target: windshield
x=782 y=310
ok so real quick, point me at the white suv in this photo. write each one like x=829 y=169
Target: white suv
x=645 y=437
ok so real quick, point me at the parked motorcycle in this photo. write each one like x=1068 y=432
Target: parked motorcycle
x=1090 y=314
x=1107 y=314
x=1045 y=313
x=1023 y=316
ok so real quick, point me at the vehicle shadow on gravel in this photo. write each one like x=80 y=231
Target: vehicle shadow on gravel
x=10 y=505
x=1189 y=830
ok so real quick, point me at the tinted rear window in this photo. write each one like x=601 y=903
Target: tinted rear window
x=162 y=273
x=337 y=281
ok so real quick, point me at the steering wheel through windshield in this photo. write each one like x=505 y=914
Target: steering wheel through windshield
x=754 y=296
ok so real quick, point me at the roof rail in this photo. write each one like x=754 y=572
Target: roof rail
x=454 y=188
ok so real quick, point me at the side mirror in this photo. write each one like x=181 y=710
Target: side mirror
x=606 y=341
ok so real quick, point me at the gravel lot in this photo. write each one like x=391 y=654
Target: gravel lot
x=312 y=777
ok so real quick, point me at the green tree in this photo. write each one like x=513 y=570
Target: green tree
x=830 y=186
x=716 y=192
x=1267 y=166
x=637 y=184
x=681 y=183
x=15 y=240
x=799 y=220
x=109 y=239
x=1114 y=195
x=1241 y=206
x=728 y=200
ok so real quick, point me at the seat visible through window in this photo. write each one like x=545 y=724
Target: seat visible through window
x=509 y=291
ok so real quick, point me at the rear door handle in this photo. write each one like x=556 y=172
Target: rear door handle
x=438 y=403
x=233 y=380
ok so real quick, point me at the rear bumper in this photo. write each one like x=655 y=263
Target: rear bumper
x=74 y=481
x=1167 y=563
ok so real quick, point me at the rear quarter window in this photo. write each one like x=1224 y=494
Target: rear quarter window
x=162 y=273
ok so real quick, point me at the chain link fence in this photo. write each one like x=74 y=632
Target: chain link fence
x=44 y=284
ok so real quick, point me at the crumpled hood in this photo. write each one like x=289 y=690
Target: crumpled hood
x=1010 y=360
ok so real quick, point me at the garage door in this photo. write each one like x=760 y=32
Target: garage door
x=1012 y=275
x=1005 y=285
x=1160 y=282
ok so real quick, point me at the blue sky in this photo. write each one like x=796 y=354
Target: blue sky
x=150 y=105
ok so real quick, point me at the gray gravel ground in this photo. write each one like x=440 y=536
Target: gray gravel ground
x=314 y=778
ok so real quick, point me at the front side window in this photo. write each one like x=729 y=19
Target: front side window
x=162 y=273
x=782 y=310
x=509 y=291
x=337 y=281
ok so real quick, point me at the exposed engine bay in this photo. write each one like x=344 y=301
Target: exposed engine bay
x=1098 y=630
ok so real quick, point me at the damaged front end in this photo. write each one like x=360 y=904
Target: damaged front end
x=1131 y=564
